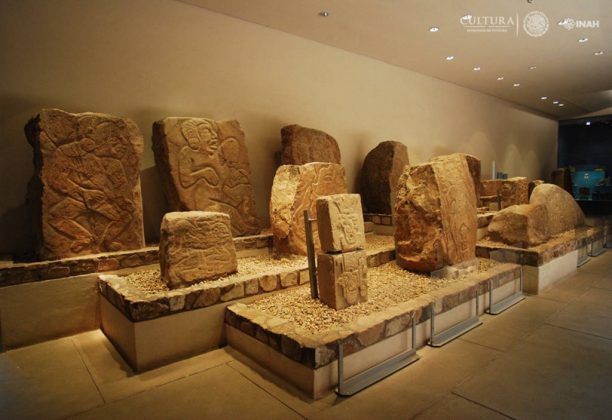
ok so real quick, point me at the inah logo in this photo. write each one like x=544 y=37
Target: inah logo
x=569 y=24
x=535 y=24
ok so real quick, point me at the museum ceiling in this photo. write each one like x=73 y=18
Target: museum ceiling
x=551 y=56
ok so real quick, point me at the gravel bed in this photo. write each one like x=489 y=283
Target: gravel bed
x=388 y=285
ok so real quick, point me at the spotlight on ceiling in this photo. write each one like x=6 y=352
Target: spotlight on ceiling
x=543 y=98
x=500 y=77
x=476 y=68
x=450 y=57
x=532 y=67
x=598 y=53
x=555 y=102
x=434 y=29
x=561 y=104
x=324 y=13
x=516 y=84
x=588 y=123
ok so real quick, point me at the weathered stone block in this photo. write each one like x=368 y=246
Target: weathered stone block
x=523 y=225
x=342 y=278
x=490 y=187
x=340 y=221
x=563 y=212
x=302 y=145
x=380 y=173
x=514 y=191
x=204 y=165
x=85 y=192
x=195 y=246
x=435 y=215
x=295 y=189
x=474 y=167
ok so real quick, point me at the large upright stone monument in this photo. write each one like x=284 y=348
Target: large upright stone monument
x=295 y=189
x=435 y=214
x=380 y=173
x=302 y=145
x=204 y=165
x=85 y=191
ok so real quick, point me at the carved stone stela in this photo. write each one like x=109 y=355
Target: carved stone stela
x=195 y=246
x=295 y=189
x=342 y=278
x=380 y=173
x=435 y=214
x=340 y=222
x=204 y=165
x=301 y=145
x=86 y=188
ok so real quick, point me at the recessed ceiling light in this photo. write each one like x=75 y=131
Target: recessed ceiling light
x=450 y=57
x=561 y=104
x=324 y=13
x=588 y=123
x=598 y=53
x=532 y=67
x=476 y=68
x=555 y=102
x=500 y=77
x=543 y=98
x=434 y=29
x=583 y=40
x=516 y=84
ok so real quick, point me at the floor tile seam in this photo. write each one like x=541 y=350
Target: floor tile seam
x=436 y=401
x=91 y=376
x=266 y=391
x=579 y=331
x=482 y=345
x=482 y=405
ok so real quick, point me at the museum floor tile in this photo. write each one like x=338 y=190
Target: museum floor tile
x=550 y=356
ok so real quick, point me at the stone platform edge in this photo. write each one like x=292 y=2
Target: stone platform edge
x=20 y=273
x=316 y=351
x=546 y=252
x=139 y=306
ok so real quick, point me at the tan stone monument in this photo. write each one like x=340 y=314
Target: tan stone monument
x=563 y=212
x=302 y=145
x=296 y=188
x=342 y=278
x=380 y=173
x=435 y=215
x=514 y=191
x=195 y=246
x=204 y=165
x=85 y=191
x=474 y=167
x=521 y=225
x=342 y=267
x=534 y=183
x=340 y=222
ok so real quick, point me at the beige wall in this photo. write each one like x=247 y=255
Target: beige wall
x=148 y=59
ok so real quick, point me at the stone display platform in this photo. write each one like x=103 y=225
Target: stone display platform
x=309 y=360
x=12 y=273
x=545 y=264
x=137 y=321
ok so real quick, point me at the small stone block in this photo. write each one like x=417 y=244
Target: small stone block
x=342 y=279
x=195 y=246
x=340 y=221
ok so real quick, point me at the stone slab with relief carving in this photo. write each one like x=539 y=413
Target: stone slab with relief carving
x=195 y=246
x=340 y=223
x=342 y=278
x=85 y=192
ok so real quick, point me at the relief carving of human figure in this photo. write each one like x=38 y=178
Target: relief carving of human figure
x=90 y=179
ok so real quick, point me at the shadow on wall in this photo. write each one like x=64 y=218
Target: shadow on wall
x=154 y=204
